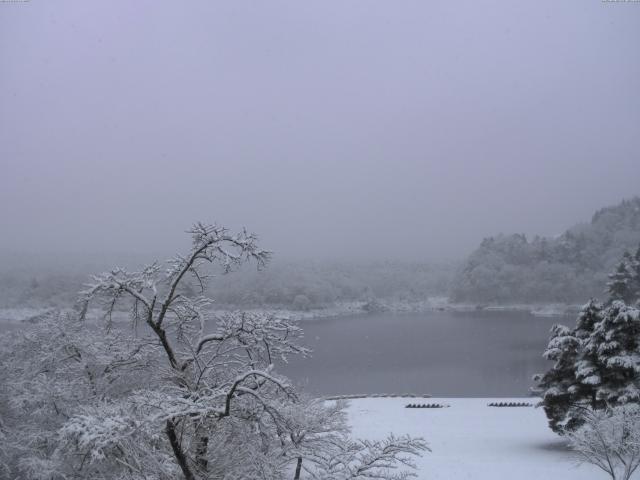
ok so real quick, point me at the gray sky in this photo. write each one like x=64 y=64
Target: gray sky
x=357 y=128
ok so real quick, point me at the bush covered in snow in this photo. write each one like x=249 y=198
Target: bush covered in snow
x=610 y=440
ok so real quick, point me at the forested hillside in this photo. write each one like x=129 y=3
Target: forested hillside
x=299 y=285
x=568 y=268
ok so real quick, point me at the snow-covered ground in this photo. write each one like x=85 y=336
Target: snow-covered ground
x=470 y=440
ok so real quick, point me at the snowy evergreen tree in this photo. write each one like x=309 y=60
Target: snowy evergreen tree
x=587 y=367
x=634 y=268
x=620 y=285
x=615 y=346
x=568 y=387
x=558 y=385
x=597 y=365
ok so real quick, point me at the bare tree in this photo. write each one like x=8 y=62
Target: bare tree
x=216 y=406
x=610 y=440
x=186 y=394
x=209 y=376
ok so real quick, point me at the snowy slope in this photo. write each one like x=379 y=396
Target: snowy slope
x=472 y=441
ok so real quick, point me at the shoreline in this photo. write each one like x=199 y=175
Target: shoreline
x=433 y=304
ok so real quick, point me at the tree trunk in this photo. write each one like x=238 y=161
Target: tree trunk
x=162 y=335
x=298 y=469
x=181 y=458
x=201 y=452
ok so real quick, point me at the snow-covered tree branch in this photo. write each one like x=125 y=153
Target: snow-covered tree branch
x=610 y=440
x=182 y=394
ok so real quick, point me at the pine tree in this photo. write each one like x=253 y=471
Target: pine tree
x=569 y=386
x=597 y=365
x=615 y=344
x=587 y=367
x=634 y=268
x=620 y=285
x=558 y=385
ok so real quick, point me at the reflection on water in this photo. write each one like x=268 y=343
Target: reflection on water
x=441 y=353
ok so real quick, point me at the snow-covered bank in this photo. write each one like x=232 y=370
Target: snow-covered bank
x=470 y=440
x=336 y=310
x=429 y=305
x=10 y=315
x=538 y=310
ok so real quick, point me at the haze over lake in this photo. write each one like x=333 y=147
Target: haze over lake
x=439 y=353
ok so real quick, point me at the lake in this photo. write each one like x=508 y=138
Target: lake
x=463 y=354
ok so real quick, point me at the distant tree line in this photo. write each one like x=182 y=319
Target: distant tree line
x=292 y=285
x=568 y=268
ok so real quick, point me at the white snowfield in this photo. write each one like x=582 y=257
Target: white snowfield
x=470 y=440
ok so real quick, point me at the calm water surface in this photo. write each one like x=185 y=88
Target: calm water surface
x=440 y=353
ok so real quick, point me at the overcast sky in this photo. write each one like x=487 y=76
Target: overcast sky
x=334 y=129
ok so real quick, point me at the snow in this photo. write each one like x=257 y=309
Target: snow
x=470 y=440
x=401 y=306
x=16 y=315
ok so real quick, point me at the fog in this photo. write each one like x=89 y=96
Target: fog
x=361 y=129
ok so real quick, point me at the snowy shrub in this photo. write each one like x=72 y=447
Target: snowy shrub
x=610 y=440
